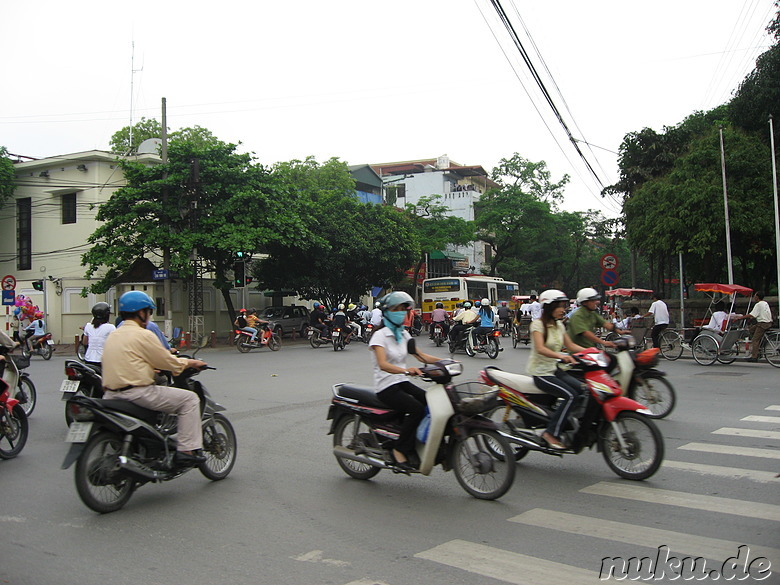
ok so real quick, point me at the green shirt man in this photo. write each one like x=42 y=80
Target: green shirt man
x=586 y=319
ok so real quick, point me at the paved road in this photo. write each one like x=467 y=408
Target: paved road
x=288 y=514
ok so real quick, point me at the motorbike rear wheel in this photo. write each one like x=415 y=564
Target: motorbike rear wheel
x=219 y=447
x=46 y=351
x=491 y=348
x=13 y=431
x=347 y=435
x=243 y=346
x=484 y=465
x=99 y=483
x=27 y=395
x=655 y=394
x=644 y=446
x=469 y=348
x=315 y=341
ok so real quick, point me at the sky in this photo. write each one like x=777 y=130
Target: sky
x=371 y=82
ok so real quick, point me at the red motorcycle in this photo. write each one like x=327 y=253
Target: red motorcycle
x=13 y=420
x=265 y=337
x=618 y=426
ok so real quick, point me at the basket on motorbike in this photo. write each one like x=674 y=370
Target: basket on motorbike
x=473 y=397
x=21 y=361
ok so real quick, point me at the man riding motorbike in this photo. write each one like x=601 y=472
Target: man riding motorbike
x=441 y=317
x=130 y=356
x=462 y=322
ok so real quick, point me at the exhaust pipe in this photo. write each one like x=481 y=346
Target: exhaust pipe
x=136 y=469
x=519 y=440
x=345 y=453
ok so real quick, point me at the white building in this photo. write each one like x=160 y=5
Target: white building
x=460 y=187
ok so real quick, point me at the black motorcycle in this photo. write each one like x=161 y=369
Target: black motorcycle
x=118 y=446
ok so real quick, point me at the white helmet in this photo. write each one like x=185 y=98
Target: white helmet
x=587 y=294
x=377 y=305
x=485 y=302
x=552 y=296
x=341 y=306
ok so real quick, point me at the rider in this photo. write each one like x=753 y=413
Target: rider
x=341 y=321
x=317 y=319
x=584 y=320
x=376 y=314
x=35 y=330
x=486 y=320
x=462 y=322
x=549 y=337
x=96 y=332
x=242 y=322
x=354 y=318
x=505 y=315
x=442 y=317
x=130 y=356
x=389 y=352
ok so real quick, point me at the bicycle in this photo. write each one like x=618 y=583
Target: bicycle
x=670 y=342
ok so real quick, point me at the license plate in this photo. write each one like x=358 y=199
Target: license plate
x=335 y=334
x=311 y=333
x=69 y=386
x=78 y=432
x=50 y=342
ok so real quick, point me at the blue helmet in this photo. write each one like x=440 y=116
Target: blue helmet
x=135 y=300
x=396 y=298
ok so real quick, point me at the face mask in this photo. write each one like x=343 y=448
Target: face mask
x=396 y=317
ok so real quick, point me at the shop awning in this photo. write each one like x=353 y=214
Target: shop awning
x=442 y=254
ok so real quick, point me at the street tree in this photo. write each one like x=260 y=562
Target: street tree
x=7 y=177
x=196 y=136
x=208 y=200
x=352 y=246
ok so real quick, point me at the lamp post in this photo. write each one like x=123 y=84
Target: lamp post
x=726 y=208
x=777 y=209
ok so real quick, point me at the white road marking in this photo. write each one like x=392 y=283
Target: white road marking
x=316 y=556
x=748 y=433
x=732 y=450
x=766 y=419
x=773 y=407
x=685 y=500
x=719 y=470
x=678 y=542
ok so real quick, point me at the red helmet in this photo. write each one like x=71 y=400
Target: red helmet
x=38 y=314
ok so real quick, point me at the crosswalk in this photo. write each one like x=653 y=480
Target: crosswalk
x=505 y=565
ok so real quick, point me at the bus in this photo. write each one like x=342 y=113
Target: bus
x=451 y=290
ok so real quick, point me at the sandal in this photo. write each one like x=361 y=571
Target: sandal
x=553 y=442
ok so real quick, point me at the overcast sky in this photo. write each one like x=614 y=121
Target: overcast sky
x=370 y=81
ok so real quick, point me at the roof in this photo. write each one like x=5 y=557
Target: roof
x=76 y=157
x=366 y=175
x=726 y=289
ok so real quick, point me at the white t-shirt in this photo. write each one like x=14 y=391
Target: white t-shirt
x=394 y=352
x=536 y=310
x=376 y=317
x=660 y=312
x=762 y=312
x=97 y=339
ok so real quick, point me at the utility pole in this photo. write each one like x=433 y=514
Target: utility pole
x=168 y=324
x=726 y=207
x=196 y=280
x=777 y=209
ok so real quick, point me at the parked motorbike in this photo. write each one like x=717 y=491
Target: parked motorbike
x=458 y=438
x=266 y=336
x=487 y=343
x=43 y=346
x=119 y=446
x=13 y=420
x=619 y=427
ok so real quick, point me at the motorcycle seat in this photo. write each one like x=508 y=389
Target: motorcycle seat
x=519 y=382
x=126 y=407
x=366 y=396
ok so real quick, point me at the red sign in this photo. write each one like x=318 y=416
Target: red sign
x=9 y=282
x=609 y=262
x=609 y=278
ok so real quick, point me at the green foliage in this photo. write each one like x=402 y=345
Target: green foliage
x=7 y=177
x=142 y=130
x=353 y=246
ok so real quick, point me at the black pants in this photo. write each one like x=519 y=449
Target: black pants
x=656 y=333
x=408 y=398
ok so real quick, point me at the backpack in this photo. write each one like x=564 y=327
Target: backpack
x=241 y=322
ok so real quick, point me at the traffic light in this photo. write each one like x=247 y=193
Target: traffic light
x=239 y=274
x=37 y=284
x=248 y=280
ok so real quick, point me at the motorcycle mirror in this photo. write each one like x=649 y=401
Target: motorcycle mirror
x=411 y=346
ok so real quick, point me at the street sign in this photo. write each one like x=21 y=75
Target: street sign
x=159 y=274
x=9 y=297
x=9 y=283
x=609 y=277
x=609 y=262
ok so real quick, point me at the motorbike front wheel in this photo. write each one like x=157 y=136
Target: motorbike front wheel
x=13 y=431
x=497 y=416
x=99 y=483
x=349 y=436
x=655 y=394
x=644 y=446
x=219 y=447
x=484 y=464
x=491 y=349
x=470 y=349
x=437 y=340
x=27 y=395
x=275 y=342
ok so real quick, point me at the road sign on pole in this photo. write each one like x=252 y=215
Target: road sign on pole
x=9 y=283
x=609 y=278
x=9 y=297
x=609 y=262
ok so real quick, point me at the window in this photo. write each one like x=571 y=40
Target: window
x=24 y=233
x=69 y=208
x=488 y=253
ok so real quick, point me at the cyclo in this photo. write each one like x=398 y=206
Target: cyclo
x=711 y=345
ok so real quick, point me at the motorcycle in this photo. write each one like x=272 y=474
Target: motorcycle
x=437 y=333
x=83 y=379
x=339 y=338
x=368 y=331
x=119 y=446
x=265 y=337
x=619 y=427
x=458 y=437
x=43 y=346
x=486 y=343
x=315 y=337
x=17 y=378
x=13 y=421
x=417 y=325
